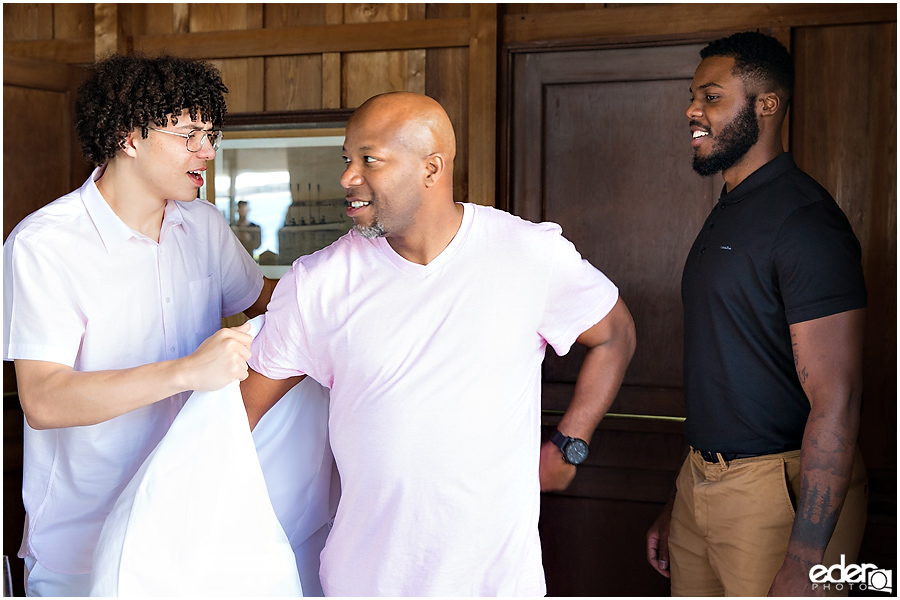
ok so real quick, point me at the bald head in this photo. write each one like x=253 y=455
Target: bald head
x=399 y=150
x=417 y=121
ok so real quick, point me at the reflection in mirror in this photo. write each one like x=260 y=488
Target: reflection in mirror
x=280 y=191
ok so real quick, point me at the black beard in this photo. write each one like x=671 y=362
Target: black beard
x=734 y=141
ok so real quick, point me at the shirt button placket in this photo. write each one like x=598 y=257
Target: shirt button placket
x=168 y=310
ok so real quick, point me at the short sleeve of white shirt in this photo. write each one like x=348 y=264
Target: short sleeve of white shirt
x=283 y=351
x=237 y=267
x=578 y=295
x=54 y=333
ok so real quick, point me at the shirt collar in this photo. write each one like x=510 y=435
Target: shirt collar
x=782 y=163
x=173 y=216
x=113 y=230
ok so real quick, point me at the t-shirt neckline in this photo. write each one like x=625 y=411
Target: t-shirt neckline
x=441 y=259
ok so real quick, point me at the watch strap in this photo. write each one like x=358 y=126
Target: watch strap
x=559 y=439
x=562 y=442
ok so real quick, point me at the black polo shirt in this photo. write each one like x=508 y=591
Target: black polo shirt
x=776 y=250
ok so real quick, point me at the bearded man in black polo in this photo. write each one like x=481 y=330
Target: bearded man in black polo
x=774 y=309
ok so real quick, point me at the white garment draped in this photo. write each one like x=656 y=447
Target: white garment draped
x=216 y=511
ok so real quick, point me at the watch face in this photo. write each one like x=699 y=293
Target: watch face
x=576 y=451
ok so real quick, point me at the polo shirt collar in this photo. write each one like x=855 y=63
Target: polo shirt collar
x=113 y=230
x=779 y=165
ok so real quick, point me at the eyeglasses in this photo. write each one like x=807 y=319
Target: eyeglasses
x=193 y=142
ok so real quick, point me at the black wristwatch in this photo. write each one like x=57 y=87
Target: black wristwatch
x=574 y=450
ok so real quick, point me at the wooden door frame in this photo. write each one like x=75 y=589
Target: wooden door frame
x=48 y=75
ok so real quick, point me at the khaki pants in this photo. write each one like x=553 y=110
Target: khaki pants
x=732 y=521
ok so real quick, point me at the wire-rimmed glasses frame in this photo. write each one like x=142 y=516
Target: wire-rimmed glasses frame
x=214 y=135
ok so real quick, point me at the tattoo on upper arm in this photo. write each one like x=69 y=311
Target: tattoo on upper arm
x=802 y=372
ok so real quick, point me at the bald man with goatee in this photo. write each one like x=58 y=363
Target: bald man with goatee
x=428 y=321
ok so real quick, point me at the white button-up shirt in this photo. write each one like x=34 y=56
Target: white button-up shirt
x=83 y=289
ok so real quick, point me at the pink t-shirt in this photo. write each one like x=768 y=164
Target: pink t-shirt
x=434 y=373
x=83 y=289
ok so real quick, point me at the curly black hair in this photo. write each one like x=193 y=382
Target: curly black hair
x=759 y=58
x=126 y=92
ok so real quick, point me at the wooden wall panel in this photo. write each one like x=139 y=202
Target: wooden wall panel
x=155 y=19
x=294 y=14
x=641 y=244
x=366 y=74
x=579 y=146
x=31 y=118
x=600 y=556
x=73 y=21
x=293 y=82
x=527 y=8
x=110 y=23
x=38 y=105
x=181 y=17
x=447 y=81
x=678 y=20
x=245 y=77
x=25 y=22
x=844 y=134
x=592 y=534
x=482 y=102
x=371 y=73
x=331 y=64
x=225 y=16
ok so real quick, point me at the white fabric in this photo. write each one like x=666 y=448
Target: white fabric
x=303 y=485
x=82 y=289
x=39 y=582
x=196 y=519
x=435 y=398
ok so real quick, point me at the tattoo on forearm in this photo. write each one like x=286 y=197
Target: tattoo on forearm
x=799 y=559
x=818 y=504
x=827 y=465
x=815 y=520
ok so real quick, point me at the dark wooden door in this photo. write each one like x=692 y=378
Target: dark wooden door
x=41 y=162
x=600 y=144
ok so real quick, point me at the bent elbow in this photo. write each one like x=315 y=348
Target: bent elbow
x=631 y=342
x=628 y=335
x=36 y=415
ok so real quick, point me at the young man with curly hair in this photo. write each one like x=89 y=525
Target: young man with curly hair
x=774 y=307
x=113 y=299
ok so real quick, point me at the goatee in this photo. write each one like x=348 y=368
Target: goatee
x=375 y=230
